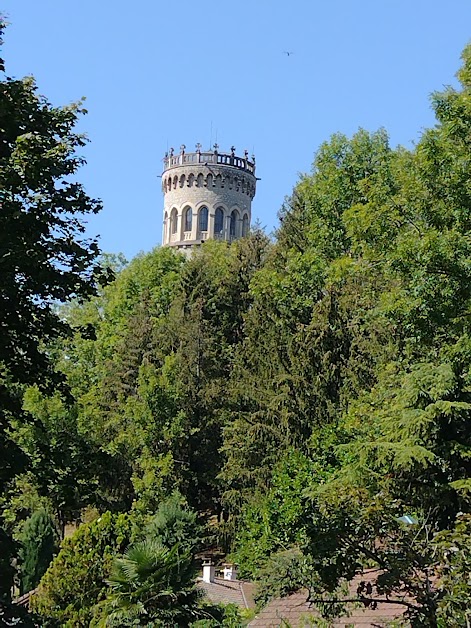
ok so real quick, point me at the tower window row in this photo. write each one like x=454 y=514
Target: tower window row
x=221 y=225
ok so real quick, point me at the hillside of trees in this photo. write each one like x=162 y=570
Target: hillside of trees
x=301 y=401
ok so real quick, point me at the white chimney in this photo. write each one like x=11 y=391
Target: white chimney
x=230 y=571
x=208 y=570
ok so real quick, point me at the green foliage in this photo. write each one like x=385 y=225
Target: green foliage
x=205 y=327
x=151 y=380
x=154 y=582
x=45 y=257
x=418 y=440
x=67 y=464
x=76 y=579
x=283 y=573
x=109 y=436
x=309 y=344
x=174 y=523
x=38 y=545
x=454 y=572
x=151 y=585
x=273 y=521
x=228 y=616
x=23 y=500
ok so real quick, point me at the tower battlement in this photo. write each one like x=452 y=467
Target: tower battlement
x=207 y=195
x=172 y=160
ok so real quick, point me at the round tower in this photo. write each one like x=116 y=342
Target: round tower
x=206 y=195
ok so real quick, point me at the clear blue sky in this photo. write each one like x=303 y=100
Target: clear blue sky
x=160 y=73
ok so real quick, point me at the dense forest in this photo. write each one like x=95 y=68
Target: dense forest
x=301 y=401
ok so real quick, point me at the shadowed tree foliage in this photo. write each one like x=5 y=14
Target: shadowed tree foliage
x=308 y=346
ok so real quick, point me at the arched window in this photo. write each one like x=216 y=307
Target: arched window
x=188 y=218
x=203 y=219
x=165 y=227
x=233 y=225
x=219 y=221
x=245 y=225
x=173 y=221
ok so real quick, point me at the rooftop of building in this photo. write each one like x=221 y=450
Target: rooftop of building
x=296 y=611
x=222 y=591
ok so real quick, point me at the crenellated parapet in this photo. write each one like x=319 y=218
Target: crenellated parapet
x=172 y=160
x=206 y=195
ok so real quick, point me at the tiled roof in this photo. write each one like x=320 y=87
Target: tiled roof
x=223 y=591
x=296 y=611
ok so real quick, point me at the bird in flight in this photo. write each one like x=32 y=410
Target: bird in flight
x=288 y=52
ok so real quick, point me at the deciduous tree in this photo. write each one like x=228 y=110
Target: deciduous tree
x=44 y=256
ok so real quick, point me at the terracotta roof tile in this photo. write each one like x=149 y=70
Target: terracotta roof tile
x=296 y=610
x=222 y=591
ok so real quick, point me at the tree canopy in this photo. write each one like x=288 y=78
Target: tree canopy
x=301 y=402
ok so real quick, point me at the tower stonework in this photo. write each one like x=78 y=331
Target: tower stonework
x=207 y=195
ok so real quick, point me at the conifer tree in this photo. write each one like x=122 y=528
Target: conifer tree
x=38 y=544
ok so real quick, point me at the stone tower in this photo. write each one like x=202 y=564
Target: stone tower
x=206 y=195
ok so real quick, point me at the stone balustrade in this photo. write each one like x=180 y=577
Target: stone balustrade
x=223 y=159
